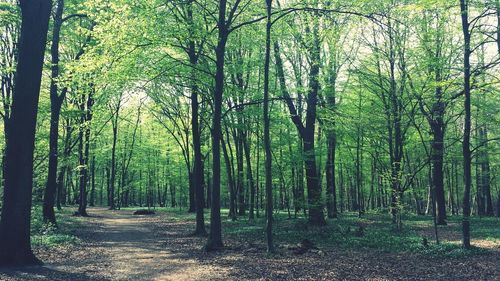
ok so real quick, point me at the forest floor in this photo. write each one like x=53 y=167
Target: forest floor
x=116 y=245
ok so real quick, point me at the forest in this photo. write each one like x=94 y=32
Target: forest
x=250 y=140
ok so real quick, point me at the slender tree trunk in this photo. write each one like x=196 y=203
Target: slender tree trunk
x=239 y=176
x=84 y=151
x=437 y=157
x=51 y=186
x=330 y=178
x=467 y=125
x=267 y=138
x=300 y=200
x=198 y=165
x=60 y=187
x=82 y=173
x=55 y=109
x=195 y=129
x=92 y=182
x=214 y=241
x=112 y=179
x=230 y=182
x=251 y=183
x=485 y=172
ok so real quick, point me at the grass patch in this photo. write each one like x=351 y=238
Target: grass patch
x=49 y=235
x=373 y=231
x=448 y=250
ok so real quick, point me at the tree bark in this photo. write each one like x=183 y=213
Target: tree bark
x=56 y=101
x=84 y=151
x=467 y=125
x=267 y=138
x=112 y=179
x=437 y=156
x=251 y=183
x=15 y=243
x=485 y=173
x=214 y=241
x=195 y=129
x=230 y=182
x=316 y=216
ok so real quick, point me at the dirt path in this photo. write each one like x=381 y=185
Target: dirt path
x=117 y=246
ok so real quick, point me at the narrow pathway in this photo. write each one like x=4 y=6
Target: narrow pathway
x=117 y=246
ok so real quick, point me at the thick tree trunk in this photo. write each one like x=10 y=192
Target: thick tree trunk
x=192 y=207
x=316 y=216
x=15 y=243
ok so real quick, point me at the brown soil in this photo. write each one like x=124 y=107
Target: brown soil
x=120 y=246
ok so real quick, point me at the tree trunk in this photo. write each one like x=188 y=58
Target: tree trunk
x=55 y=110
x=251 y=183
x=306 y=132
x=437 y=157
x=84 y=150
x=195 y=129
x=230 y=182
x=316 y=216
x=214 y=241
x=113 y=166
x=267 y=138
x=198 y=165
x=485 y=172
x=92 y=182
x=82 y=172
x=15 y=244
x=467 y=125
x=239 y=176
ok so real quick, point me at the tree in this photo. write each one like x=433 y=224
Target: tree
x=115 y=115
x=215 y=235
x=464 y=9
x=15 y=243
x=267 y=138
x=224 y=27
x=56 y=102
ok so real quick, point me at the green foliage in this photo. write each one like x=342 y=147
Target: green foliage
x=377 y=235
x=134 y=54
x=50 y=235
x=446 y=250
x=9 y=14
